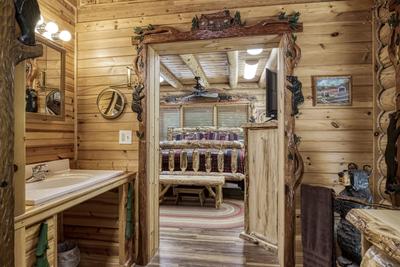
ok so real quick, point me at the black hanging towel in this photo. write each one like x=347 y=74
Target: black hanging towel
x=317 y=226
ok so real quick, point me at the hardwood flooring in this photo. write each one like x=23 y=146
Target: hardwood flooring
x=205 y=247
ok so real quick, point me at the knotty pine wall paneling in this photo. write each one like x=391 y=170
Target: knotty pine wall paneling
x=52 y=140
x=337 y=40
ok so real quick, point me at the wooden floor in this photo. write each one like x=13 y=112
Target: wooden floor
x=199 y=247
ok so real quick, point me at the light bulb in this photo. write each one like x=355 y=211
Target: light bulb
x=161 y=79
x=250 y=69
x=51 y=27
x=255 y=51
x=47 y=35
x=65 y=36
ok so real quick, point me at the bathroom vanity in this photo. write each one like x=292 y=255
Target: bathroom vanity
x=88 y=207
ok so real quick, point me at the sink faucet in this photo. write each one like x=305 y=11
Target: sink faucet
x=38 y=173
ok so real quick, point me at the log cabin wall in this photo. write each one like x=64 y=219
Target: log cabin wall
x=337 y=40
x=385 y=94
x=52 y=140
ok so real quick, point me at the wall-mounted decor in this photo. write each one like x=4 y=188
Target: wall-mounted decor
x=331 y=90
x=45 y=83
x=111 y=103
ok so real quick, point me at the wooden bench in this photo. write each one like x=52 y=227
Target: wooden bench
x=209 y=182
x=179 y=191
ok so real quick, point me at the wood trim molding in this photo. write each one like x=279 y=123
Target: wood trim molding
x=223 y=26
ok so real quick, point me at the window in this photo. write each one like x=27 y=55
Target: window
x=232 y=116
x=198 y=116
x=169 y=117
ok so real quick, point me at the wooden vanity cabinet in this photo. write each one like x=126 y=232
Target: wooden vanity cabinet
x=261 y=193
x=97 y=223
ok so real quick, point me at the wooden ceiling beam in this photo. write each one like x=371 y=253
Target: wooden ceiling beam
x=170 y=77
x=271 y=64
x=233 y=59
x=195 y=66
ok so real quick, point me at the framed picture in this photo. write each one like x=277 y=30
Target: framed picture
x=331 y=90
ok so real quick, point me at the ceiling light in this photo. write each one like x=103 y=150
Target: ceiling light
x=47 y=35
x=161 y=79
x=250 y=69
x=65 y=36
x=254 y=51
x=51 y=27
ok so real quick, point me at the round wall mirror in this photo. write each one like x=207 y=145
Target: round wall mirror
x=111 y=103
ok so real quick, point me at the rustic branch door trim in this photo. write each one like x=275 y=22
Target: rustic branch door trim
x=151 y=42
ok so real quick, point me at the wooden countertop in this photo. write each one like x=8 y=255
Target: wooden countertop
x=38 y=213
x=379 y=227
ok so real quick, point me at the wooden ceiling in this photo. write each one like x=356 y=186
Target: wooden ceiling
x=213 y=68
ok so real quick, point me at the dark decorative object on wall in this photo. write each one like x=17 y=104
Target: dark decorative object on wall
x=13 y=50
x=356 y=182
x=31 y=101
x=296 y=88
x=293 y=19
x=27 y=15
x=217 y=21
x=137 y=97
x=391 y=152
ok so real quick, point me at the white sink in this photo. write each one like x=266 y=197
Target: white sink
x=60 y=183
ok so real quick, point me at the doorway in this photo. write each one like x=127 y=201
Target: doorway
x=156 y=42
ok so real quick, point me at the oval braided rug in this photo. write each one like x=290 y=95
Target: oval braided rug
x=192 y=215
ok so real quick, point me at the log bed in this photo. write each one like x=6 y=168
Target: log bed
x=203 y=151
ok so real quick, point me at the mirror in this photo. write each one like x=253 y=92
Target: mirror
x=45 y=83
x=111 y=103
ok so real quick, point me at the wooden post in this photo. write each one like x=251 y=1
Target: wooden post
x=220 y=159
x=183 y=160
x=11 y=53
x=171 y=160
x=196 y=160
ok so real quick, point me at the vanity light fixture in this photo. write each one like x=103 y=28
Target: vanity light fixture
x=50 y=30
x=65 y=36
x=254 y=51
x=250 y=69
x=51 y=27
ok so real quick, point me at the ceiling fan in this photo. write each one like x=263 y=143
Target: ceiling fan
x=200 y=92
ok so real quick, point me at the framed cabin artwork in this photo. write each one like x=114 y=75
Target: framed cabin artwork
x=332 y=90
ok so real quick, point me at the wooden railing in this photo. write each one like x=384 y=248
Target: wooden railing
x=194 y=146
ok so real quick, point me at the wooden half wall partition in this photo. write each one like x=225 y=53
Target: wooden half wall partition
x=150 y=42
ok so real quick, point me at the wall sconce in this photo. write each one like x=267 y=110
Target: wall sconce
x=50 y=30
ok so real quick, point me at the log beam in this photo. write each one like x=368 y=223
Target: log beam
x=170 y=77
x=233 y=59
x=195 y=66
